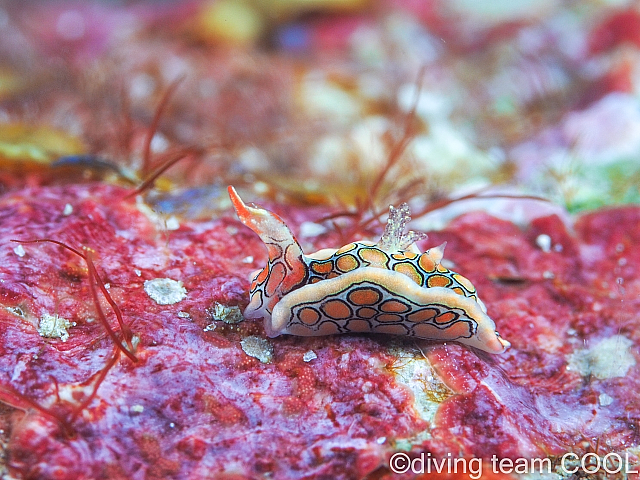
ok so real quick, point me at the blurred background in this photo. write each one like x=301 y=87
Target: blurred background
x=324 y=102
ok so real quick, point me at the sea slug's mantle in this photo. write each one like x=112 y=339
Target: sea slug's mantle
x=363 y=287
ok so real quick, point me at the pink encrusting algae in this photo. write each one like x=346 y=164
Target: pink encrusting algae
x=195 y=404
x=125 y=273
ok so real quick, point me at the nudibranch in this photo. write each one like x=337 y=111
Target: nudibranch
x=388 y=287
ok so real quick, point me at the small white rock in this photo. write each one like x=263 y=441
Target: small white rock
x=226 y=314
x=165 y=291
x=68 y=209
x=53 y=326
x=308 y=356
x=257 y=347
x=19 y=251
x=605 y=400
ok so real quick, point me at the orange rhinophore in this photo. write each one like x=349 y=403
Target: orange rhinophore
x=386 y=287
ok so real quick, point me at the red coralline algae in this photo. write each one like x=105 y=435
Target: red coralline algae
x=326 y=116
x=195 y=405
x=536 y=400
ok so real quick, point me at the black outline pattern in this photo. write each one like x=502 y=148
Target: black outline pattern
x=342 y=325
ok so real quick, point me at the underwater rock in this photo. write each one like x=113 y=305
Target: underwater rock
x=194 y=404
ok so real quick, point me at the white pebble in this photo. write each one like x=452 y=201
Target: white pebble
x=605 y=399
x=225 y=313
x=257 y=347
x=308 y=356
x=165 y=291
x=53 y=326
